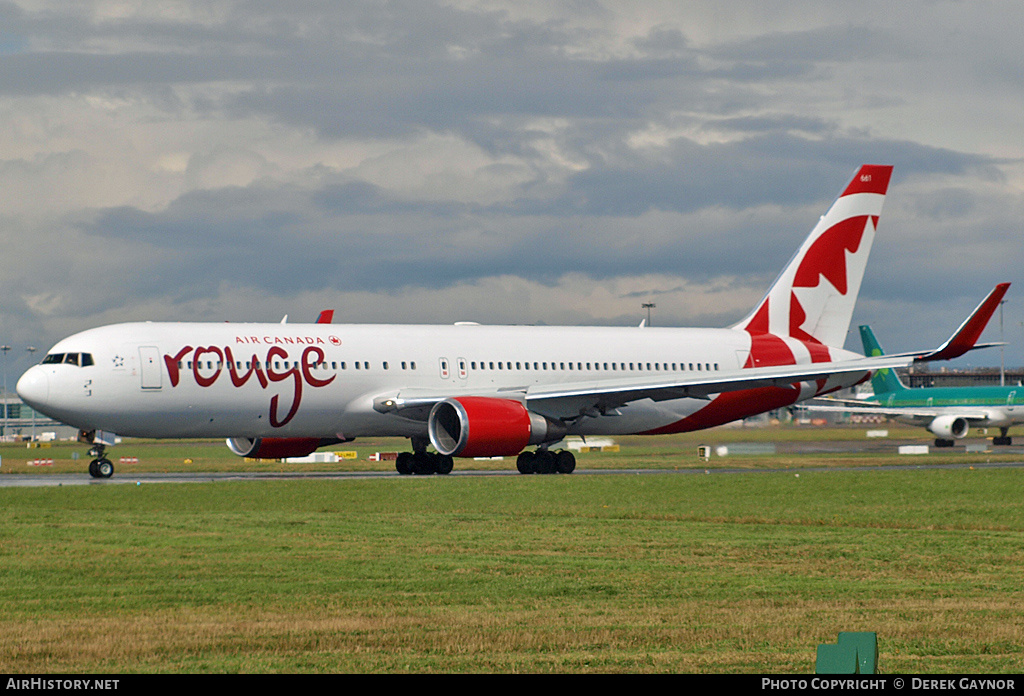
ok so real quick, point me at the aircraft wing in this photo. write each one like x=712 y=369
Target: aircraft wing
x=917 y=415
x=575 y=399
x=923 y=413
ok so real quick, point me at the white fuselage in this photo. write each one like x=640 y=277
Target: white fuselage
x=321 y=380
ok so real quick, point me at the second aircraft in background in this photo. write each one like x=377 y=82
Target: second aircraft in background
x=947 y=412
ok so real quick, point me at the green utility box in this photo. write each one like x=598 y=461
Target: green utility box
x=866 y=645
x=855 y=653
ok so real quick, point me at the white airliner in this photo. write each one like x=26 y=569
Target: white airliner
x=279 y=390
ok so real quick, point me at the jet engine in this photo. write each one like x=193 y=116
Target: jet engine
x=949 y=427
x=277 y=447
x=480 y=426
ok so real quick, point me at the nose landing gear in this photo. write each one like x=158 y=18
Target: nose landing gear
x=100 y=466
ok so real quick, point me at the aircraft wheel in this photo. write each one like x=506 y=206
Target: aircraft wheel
x=524 y=463
x=939 y=442
x=403 y=463
x=424 y=463
x=1002 y=441
x=104 y=468
x=565 y=462
x=544 y=462
x=445 y=464
x=92 y=469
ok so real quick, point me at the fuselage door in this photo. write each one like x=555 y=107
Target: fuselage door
x=149 y=361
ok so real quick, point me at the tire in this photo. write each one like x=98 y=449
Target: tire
x=424 y=463
x=565 y=462
x=524 y=463
x=544 y=462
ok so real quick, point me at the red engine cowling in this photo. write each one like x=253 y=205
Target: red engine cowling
x=274 y=447
x=480 y=426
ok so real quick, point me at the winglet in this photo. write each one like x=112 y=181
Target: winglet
x=967 y=335
x=326 y=317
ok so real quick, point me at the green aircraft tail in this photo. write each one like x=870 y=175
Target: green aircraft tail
x=883 y=381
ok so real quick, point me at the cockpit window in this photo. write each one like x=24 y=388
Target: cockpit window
x=80 y=359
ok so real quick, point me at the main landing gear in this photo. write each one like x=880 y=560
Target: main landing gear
x=424 y=463
x=1001 y=440
x=421 y=462
x=544 y=461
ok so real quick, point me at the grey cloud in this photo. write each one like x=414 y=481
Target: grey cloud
x=768 y=144
x=827 y=44
x=358 y=235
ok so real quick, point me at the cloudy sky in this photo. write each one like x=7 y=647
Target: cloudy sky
x=502 y=161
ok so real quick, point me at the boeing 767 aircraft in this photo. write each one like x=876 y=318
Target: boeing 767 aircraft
x=279 y=390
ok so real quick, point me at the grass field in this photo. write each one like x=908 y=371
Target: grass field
x=622 y=573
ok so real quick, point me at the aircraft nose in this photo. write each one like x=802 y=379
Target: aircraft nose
x=34 y=387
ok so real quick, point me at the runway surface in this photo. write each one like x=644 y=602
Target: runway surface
x=83 y=479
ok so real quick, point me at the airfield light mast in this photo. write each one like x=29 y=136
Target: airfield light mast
x=648 y=306
x=3 y=424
